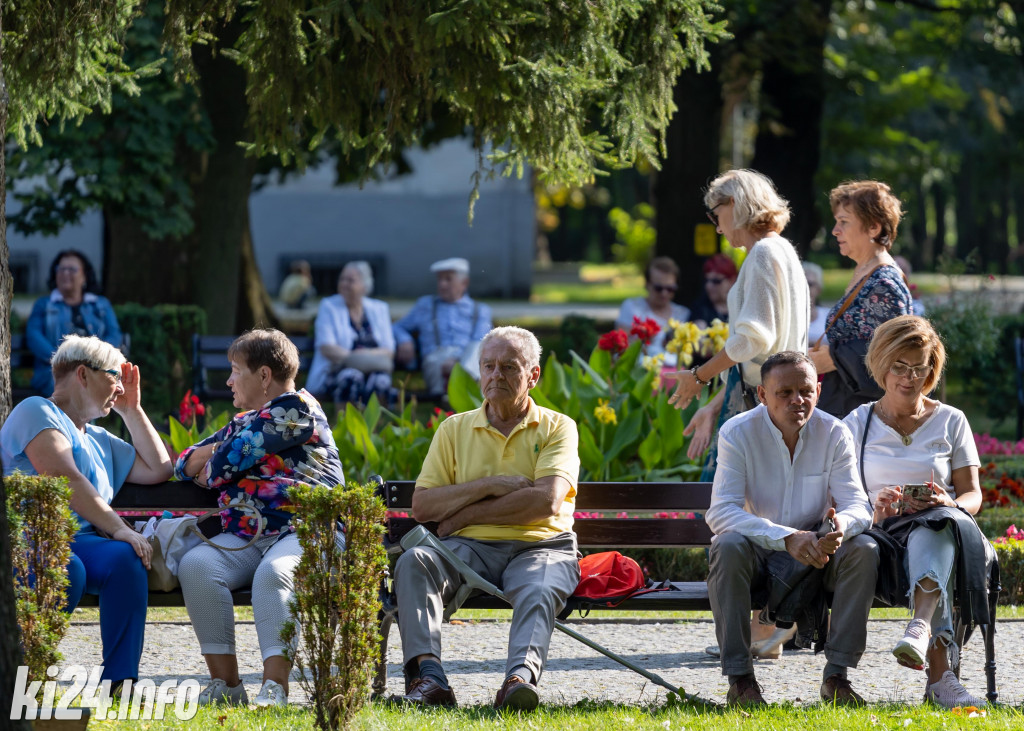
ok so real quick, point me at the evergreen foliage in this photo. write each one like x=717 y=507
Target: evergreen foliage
x=41 y=530
x=570 y=87
x=62 y=59
x=336 y=599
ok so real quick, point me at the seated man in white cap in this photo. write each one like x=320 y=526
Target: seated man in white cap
x=448 y=326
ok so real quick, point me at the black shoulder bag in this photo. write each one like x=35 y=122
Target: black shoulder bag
x=892 y=585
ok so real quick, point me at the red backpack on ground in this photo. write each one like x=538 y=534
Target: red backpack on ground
x=608 y=575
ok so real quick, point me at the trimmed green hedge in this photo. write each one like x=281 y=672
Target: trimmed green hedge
x=162 y=348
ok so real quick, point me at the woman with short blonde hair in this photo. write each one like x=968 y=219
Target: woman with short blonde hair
x=919 y=465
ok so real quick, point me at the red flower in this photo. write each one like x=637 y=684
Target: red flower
x=190 y=408
x=614 y=341
x=645 y=329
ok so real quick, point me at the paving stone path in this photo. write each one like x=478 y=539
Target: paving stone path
x=475 y=657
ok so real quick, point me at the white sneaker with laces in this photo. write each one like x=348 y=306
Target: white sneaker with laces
x=219 y=692
x=271 y=694
x=949 y=693
x=911 y=650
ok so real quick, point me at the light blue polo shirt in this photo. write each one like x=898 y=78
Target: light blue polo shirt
x=101 y=457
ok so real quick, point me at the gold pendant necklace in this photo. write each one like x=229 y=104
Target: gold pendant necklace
x=904 y=436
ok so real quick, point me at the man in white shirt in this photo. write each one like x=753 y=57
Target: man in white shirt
x=782 y=469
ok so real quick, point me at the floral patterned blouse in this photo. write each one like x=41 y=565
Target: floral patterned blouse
x=883 y=297
x=264 y=452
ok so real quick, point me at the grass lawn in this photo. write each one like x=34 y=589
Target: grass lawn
x=599 y=716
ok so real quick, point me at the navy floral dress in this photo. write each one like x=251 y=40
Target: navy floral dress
x=264 y=452
x=884 y=296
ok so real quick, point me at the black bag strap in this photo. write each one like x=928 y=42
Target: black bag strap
x=860 y=462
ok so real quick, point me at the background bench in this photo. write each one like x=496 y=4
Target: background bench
x=606 y=534
x=211 y=367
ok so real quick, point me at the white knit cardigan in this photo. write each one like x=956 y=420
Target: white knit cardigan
x=769 y=306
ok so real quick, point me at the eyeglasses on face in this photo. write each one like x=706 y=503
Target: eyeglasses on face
x=112 y=371
x=714 y=280
x=900 y=370
x=68 y=270
x=712 y=216
x=670 y=288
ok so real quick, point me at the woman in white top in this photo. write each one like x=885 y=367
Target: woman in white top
x=769 y=306
x=355 y=345
x=661 y=277
x=912 y=439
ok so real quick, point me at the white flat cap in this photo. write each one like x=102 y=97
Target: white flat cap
x=454 y=264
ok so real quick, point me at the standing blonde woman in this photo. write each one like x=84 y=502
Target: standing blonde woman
x=769 y=306
x=867 y=217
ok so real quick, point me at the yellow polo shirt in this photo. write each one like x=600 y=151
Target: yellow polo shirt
x=466 y=447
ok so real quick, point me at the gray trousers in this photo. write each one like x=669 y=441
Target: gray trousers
x=737 y=563
x=537 y=577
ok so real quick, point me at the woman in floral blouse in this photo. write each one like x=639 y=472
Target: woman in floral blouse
x=282 y=439
x=867 y=216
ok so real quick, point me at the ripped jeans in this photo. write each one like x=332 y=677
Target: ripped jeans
x=932 y=554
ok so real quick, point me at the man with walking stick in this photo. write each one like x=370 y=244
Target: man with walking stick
x=500 y=481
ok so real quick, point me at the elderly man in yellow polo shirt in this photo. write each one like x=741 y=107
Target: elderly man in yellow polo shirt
x=501 y=483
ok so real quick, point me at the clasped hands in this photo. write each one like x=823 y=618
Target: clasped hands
x=810 y=550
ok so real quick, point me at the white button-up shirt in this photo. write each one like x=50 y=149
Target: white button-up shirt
x=763 y=494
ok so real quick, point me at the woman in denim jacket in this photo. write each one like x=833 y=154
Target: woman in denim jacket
x=72 y=307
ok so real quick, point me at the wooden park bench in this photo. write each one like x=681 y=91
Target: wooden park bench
x=649 y=499
x=611 y=533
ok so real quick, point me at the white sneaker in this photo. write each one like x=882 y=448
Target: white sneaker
x=219 y=692
x=949 y=693
x=271 y=694
x=911 y=650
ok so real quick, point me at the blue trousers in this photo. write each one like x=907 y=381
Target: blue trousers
x=111 y=570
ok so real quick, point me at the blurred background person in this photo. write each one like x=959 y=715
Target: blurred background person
x=819 y=315
x=297 y=287
x=720 y=274
x=444 y=329
x=905 y=266
x=73 y=307
x=867 y=218
x=355 y=347
x=661 y=280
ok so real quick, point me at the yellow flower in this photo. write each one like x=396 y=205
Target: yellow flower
x=653 y=362
x=605 y=413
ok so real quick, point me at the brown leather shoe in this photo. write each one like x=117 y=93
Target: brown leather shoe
x=426 y=692
x=837 y=689
x=745 y=692
x=517 y=694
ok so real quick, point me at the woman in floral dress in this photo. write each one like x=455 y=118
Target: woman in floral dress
x=867 y=216
x=282 y=439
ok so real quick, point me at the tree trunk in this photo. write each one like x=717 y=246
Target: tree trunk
x=214 y=267
x=10 y=644
x=941 y=205
x=792 y=102
x=967 y=233
x=692 y=141
x=918 y=227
